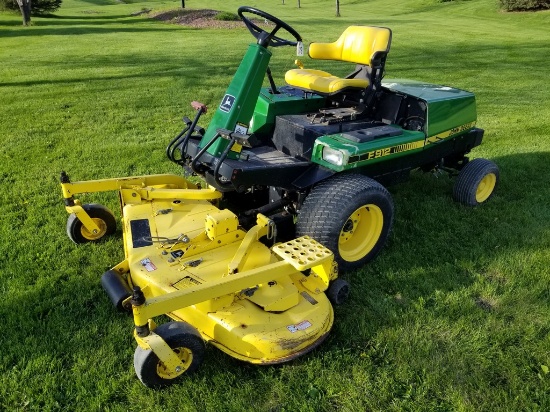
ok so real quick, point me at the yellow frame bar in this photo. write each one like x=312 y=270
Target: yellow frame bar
x=184 y=189
x=173 y=301
x=136 y=188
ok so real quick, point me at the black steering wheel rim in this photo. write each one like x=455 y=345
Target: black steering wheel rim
x=264 y=38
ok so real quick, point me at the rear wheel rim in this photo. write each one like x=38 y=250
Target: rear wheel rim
x=94 y=236
x=360 y=233
x=186 y=357
x=486 y=187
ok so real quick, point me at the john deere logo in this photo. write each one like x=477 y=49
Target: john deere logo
x=227 y=103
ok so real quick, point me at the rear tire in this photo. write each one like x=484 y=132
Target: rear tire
x=350 y=214
x=184 y=340
x=102 y=217
x=476 y=182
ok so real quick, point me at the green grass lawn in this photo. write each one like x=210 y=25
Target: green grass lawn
x=453 y=315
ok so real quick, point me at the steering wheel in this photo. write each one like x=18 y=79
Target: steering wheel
x=264 y=38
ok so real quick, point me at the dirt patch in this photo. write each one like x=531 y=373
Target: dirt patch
x=204 y=18
x=487 y=304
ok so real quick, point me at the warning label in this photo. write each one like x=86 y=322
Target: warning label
x=148 y=265
x=300 y=326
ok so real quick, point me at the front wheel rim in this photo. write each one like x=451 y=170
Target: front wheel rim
x=94 y=236
x=186 y=357
x=360 y=233
x=486 y=187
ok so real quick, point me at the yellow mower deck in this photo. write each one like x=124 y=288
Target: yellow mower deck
x=247 y=327
x=192 y=261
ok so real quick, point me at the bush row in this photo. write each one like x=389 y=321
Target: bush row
x=521 y=5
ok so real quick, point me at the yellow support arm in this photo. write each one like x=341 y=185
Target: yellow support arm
x=174 y=365
x=142 y=185
x=170 y=302
x=263 y=227
x=132 y=190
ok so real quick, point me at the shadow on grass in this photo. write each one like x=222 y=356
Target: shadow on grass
x=84 y=24
x=14 y=23
x=98 y=17
x=532 y=53
x=102 y=2
x=431 y=252
x=76 y=31
x=65 y=320
x=188 y=69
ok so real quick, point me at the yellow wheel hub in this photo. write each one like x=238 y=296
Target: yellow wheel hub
x=94 y=236
x=360 y=232
x=486 y=187
x=186 y=357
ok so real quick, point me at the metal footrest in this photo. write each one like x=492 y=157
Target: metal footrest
x=303 y=253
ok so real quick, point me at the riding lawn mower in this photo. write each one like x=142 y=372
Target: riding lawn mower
x=295 y=192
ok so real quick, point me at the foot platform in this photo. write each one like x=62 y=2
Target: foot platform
x=303 y=253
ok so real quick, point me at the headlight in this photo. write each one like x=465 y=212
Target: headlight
x=333 y=156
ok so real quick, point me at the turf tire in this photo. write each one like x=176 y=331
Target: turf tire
x=476 y=182
x=329 y=209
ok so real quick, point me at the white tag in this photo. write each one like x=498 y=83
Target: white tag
x=303 y=325
x=241 y=128
x=300 y=49
x=148 y=265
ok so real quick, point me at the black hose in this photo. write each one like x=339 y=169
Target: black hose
x=173 y=144
x=201 y=152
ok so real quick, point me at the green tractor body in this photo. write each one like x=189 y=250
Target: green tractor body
x=269 y=149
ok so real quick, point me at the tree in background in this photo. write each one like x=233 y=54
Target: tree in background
x=25 y=7
x=31 y=7
x=337 y=8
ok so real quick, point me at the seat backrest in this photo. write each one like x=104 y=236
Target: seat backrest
x=357 y=44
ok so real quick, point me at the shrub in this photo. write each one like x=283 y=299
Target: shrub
x=226 y=16
x=38 y=6
x=523 y=5
x=5 y=6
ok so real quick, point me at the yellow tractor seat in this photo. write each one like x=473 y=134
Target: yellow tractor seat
x=321 y=82
x=366 y=46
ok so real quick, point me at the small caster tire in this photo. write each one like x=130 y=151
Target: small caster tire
x=182 y=339
x=338 y=291
x=102 y=217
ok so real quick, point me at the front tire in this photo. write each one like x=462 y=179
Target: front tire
x=476 y=182
x=182 y=339
x=102 y=217
x=350 y=214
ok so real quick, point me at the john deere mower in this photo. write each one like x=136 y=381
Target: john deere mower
x=314 y=154
x=295 y=190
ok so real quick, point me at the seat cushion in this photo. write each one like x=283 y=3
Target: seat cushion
x=321 y=82
x=357 y=44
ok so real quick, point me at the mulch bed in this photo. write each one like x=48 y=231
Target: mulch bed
x=204 y=18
